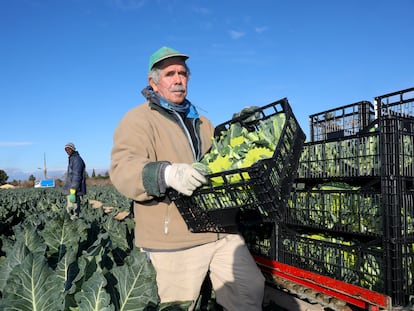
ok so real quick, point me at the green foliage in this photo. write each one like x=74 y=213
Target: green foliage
x=3 y=177
x=49 y=262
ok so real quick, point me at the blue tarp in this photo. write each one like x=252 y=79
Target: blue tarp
x=47 y=183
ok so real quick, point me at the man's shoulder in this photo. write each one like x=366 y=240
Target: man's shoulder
x=137 y=111
x=78 y=156
x=140 y=107
x=206 y=121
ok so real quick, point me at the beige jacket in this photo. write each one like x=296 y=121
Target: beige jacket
x=147 y=136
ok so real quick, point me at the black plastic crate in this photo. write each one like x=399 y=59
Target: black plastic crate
x=342 y=121
x=401 y=271
x=397 y=146
x=363 y=213
x=399 y=103
x=352 y=156
x=384 y=149
x=398 y=210
x=385 y=267
x=260 y=238
x=335 y=257
x=262 y=190
x=337 y=210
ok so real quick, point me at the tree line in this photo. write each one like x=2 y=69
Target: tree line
x=30 y=182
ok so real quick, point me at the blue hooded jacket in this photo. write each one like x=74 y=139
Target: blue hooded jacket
x=75 y=175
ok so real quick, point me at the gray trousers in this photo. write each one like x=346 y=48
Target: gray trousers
x=237 y=281
x=73 y=208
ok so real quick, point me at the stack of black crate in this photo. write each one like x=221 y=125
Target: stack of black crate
x=351 y=213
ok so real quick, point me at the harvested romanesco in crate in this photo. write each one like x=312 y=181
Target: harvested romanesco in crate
x=239 y=148
x=250 y=170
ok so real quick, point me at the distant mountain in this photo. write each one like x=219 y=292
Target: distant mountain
x=17 y=174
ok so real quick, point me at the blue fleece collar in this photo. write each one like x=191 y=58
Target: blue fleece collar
x=186 y=107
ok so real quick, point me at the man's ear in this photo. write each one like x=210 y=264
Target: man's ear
x=153 y=84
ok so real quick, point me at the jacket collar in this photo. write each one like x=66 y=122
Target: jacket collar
x=187 y=107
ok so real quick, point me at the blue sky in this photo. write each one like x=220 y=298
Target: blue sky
x=70 y=69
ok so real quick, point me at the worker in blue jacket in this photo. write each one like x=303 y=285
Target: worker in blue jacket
x=75 y=181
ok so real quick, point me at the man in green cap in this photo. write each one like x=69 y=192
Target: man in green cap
x=153 y=150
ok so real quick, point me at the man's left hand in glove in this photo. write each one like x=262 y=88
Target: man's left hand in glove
x=72 y=195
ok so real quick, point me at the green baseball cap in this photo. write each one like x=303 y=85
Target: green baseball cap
x=164 y=53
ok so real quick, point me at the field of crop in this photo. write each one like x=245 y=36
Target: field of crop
x=49 y=262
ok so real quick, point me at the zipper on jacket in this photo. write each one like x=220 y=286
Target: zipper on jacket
x=196 y=157
x=198 y=141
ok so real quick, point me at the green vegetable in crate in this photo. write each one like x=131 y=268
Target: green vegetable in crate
x=371 y=271
x=340 y=204
x=408 y=263
x=369 y=154
x=311 y=161
x=329 y=205
x=406 y=155
x=336 y=257
x=237 y=148
x=337 y=261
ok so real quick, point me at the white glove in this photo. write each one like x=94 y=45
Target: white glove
x=184 y=178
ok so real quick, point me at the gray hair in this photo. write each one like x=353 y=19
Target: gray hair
x=155 y=72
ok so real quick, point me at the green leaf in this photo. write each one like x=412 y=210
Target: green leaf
x=31 y=238
x=117 y=232
x=15 y=256
x=136 y=282
x=93 y=296
x=64 y=272
x=63 y=231
x=26 y=241
x=32 y=286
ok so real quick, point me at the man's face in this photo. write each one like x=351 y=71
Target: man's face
x=68 y=150
x=172 y=84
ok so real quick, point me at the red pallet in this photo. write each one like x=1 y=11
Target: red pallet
x=355 y=295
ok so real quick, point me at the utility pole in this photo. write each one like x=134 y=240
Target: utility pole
x=44 y=165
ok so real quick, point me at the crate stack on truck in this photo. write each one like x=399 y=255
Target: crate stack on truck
x=347 y=230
